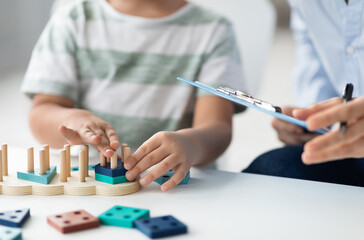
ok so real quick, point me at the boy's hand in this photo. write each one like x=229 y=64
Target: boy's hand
x=333 y=146
x=173 y=150
x=82 y=127
x=289 y=133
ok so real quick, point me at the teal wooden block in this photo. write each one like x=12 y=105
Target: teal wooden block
x=110 y=180
x=90 y=167
x=168 y=175
x=123 y=216
x=37 y=177
x=8 y=233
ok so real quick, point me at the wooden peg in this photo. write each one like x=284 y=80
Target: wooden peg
x=102 y=160
x=63 y=164
x=114 y=161
x=82 y=165
x=123 y=146
x=42 y=162
x=108 y=160
x=30 y=160
x=1 y=166
x=126 y=152
x=85 y=147
x=46 y=149
x=67 y=147
x=4 y=150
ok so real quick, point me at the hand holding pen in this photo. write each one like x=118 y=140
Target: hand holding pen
x=334 y=145
x=347 y=96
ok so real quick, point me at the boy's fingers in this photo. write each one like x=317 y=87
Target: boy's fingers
x=304 y=113
x=72 y=136
x=113 y=138
x=179 y=174
x=149 y=160
x=89 y=136
x=158 y=171
x=147 y=147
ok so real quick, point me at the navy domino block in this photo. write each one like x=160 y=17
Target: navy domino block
x=107 y=171
x=37 y=177
x=160 y=226
x=14 y=218
x=7 y=233
x=168 y=175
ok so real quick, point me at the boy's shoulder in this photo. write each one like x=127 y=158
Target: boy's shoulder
x=76 y=9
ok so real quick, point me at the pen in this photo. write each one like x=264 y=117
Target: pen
x=347 y=96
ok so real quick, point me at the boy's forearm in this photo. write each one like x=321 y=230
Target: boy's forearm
x=210 y=140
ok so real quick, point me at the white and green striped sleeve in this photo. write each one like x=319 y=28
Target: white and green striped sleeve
x=222 y=64
x=52 y=68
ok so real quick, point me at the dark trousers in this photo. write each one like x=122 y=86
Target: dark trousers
x=286 y=162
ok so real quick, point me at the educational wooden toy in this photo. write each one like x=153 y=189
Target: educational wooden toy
x=73 y=221
x=108 y=171
x=168 y=175
x=14 y=218
x=46 y=181
x=160 y=226
x=121 y=216
x=7 y=233
x=110 y=180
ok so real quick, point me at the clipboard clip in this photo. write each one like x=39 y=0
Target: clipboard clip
x=249 y=98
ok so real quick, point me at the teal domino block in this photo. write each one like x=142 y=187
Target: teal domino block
x=36 y=177
x=8 y=233
x=110 y=180
x=123 y=216
x=90 y=167
x=168 y=175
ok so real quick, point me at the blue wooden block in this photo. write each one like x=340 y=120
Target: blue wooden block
x=121 y=216
x=36 y=177
x=7 y=233
x=160 y=226
x=14 y=218
x=107 y=171
x=168 y=175
x=90 y=167
x=110 y=180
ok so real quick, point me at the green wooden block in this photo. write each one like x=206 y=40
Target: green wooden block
x=123 y=216
x=37 y=177
x=90 y=167
x=110 y=180
x=168 y=176
x=8 y=233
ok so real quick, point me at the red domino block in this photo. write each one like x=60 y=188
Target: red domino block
x=73 y=221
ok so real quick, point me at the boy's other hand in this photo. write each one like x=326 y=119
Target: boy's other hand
x=83 y=127
x=289 y=133
x=172 y=150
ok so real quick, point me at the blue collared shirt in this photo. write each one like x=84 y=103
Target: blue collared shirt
x=330 y=48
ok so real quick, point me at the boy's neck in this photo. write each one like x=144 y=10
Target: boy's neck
x=147 y=8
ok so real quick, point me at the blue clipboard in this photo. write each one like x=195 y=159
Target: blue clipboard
x=248 y=104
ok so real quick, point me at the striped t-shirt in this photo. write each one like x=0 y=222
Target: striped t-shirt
x=123 y=68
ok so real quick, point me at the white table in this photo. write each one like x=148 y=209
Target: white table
x=214 y=205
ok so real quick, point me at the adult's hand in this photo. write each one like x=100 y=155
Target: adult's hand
x=333 y=145
x=289 y=133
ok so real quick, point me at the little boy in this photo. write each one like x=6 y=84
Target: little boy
x=103 y=69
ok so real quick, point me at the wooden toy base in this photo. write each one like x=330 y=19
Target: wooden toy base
x=11 y=185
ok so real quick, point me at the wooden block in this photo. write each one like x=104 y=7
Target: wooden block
x=160 y=226
x=14 y=218
x=114 y=161
x=123 y=146
x=102 y=160
x=107 y=171
x=168 y=176
x=82 y=165
x=7 y=233
x=63 y=166
x=4 y=153
x=73 y=221
x=110 y=180
x=67 y=147
x=47 y=162
x=108 y=160
x=85 y=147
x=36 y=176
x=30 y=160
x=123 y=216
x=42 y=162
x=1 y=166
